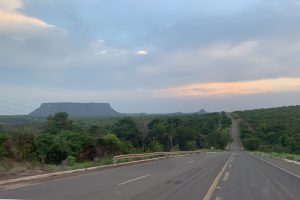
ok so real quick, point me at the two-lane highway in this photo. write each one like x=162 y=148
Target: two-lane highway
x=176 y=178
x=218 y=176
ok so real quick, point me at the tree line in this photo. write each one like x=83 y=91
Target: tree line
x=271 y=130
x=60 y=137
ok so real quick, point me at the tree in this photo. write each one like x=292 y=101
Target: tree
x=157 y=132
x=185 y=137
x=3 y=141
x=58 y=122
x=72 y=144
x=110 y=144
x=295 y=143
x=172 y=125
x=251 y=143
x=45 y=148
x=126 y=129
x=55 y=148
x=23 y=145
x=96 y=130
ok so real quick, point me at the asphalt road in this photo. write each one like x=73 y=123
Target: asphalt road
x=175 y=178
x=225 y=175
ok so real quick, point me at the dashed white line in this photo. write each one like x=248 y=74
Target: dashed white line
x=219 y=198
x=129 y=181
x=190 y=161
x=226 y=176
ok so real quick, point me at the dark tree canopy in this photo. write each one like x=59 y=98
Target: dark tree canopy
x=58 y=122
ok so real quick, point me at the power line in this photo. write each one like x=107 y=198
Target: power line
x=16 y=105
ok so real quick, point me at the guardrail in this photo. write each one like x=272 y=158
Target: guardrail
x=118 y=158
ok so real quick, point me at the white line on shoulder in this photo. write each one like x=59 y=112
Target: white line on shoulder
x=275 y=166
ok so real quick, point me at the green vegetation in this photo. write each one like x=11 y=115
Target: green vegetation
x=94 y=141
x=295 y=157
x=271 y=130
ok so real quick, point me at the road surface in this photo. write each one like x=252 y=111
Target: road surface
x=218 y=176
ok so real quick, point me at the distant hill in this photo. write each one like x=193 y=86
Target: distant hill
x=75 y=109
x=202 y=111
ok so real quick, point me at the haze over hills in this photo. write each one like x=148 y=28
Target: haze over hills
x=75 y=109
x=88 y=110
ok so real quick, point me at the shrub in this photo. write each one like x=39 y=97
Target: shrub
x=191 y=145
x=71 y=161
x=156 y=147
x=3 y=140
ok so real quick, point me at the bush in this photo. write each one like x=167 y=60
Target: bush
x=3 y=140
x=251 y=143
x=110 y=144
x=71 y=161
x=191 y=145
x=156 y=147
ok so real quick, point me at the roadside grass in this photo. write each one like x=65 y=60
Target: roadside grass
x=26 y=167
x=295 y=157
x=78 y=165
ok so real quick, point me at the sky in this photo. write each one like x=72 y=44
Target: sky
x=154 y=56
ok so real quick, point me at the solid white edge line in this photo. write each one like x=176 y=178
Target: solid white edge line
x=275 y=165
x=129 y=181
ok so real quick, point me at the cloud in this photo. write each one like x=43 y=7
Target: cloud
x=233 y=88
x=225 y=50
x=10 y=5
x=11 y=19
x=224 y=62
x=141 y=53
x=15 y=19
x=101 y=48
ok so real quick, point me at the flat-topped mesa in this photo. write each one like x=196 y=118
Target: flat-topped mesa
x=75 y=109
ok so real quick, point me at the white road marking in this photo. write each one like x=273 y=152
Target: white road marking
x=219 y=198
x=190 y=161
x=275 y=166
x=226 y=176
x=216 y=181
x=129 y=181
x=291 y=173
